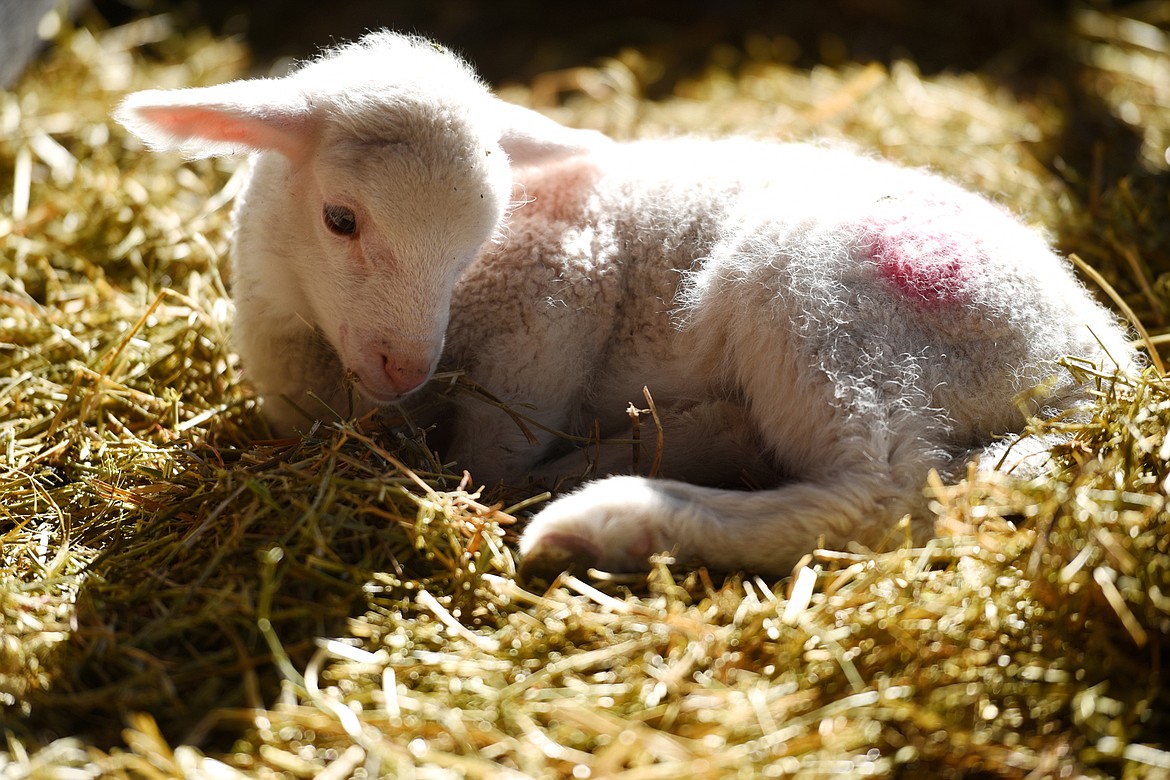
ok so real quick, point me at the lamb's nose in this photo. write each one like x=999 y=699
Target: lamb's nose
x=405 y=374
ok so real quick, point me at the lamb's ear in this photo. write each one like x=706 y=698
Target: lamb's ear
x=529 y=137
x=247 y=115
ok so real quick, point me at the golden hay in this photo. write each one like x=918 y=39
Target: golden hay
x=181 y=596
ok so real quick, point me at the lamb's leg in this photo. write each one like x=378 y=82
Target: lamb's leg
x=707 y=443
x=616 y=524
x=854 y=487
x=299 y=377
x=494 y=446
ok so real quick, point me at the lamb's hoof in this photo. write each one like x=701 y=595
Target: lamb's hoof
x=558 y=554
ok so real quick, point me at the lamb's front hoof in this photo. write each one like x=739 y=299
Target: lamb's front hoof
x=556 y=554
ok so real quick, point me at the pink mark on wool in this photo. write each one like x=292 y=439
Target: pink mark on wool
x=921 y=246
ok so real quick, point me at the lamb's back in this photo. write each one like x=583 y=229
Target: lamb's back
x=643 y=257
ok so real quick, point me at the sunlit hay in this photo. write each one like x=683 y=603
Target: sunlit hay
x=105 y=360
x=183 y=596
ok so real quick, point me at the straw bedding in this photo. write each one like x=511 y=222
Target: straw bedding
x=183 y=595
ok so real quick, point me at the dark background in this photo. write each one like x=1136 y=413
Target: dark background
x=516 y=39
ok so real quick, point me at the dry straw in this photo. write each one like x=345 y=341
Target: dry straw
x=181 y=596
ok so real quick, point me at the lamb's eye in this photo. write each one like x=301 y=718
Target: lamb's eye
x=340 y=220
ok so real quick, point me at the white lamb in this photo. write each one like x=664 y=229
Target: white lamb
x=832 y=325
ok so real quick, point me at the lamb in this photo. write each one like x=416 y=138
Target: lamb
x=830 y=325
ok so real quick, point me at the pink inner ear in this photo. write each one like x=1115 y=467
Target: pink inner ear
x=224 y=126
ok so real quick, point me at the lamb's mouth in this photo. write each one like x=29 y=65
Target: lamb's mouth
x=371 y=390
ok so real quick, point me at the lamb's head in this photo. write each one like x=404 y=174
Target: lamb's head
x=398 y=210
x=380 y=175
x=383 y=167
